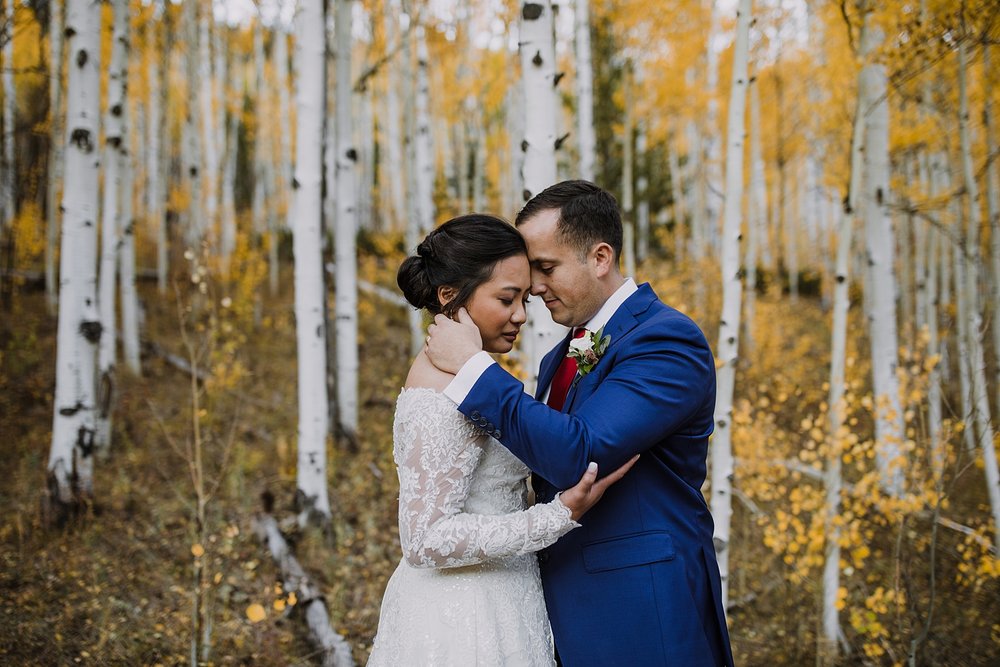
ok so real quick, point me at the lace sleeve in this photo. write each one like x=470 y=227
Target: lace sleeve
x=435 y=467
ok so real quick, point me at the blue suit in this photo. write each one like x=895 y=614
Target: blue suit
x=638 y=584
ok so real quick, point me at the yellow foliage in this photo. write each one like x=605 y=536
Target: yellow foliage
x=256 y=613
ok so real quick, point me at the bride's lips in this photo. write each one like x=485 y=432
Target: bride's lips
x=510 y=335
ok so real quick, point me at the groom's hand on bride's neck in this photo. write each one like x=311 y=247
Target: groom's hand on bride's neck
x=451 y=343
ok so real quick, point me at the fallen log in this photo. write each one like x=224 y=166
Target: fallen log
x=335 y=650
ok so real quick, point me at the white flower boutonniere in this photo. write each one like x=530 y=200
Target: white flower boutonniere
x=588 y=350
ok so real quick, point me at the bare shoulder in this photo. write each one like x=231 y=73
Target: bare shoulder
x=425 y=374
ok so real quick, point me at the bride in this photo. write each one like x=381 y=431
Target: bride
x=467 y=591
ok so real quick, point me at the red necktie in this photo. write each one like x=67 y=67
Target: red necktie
x=563 y=377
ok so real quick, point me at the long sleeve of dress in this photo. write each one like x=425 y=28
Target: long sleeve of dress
x=437 y=452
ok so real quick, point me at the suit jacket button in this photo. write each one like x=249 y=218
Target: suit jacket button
x=496 y=434
x=475 y=415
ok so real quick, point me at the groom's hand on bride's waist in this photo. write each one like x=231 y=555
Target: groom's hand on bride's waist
x=451 y=343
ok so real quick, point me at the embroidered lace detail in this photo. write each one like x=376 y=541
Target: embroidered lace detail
x=467 y=591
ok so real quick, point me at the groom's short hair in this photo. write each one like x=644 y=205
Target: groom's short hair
x=587 y=214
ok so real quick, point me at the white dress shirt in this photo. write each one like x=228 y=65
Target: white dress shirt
x=474 y=368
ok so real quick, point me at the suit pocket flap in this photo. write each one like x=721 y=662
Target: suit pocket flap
x=628 y=551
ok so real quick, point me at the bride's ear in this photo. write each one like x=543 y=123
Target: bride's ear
x=445 y=294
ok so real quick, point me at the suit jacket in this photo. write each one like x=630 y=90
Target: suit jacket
x=638 y=583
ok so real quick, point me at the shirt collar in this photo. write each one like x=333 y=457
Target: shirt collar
x=611 y=306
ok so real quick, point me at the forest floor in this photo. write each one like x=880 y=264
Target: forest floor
x=115 y=585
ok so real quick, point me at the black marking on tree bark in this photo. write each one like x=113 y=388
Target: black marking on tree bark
x=879 y=196
x=558 y=77
x=91 y=330
x=69 y=32
x=722 y=423
x=116 y=110
x=85 y=440
x=295 y=184
x=526 y=194
x=70 y=411
x=531 y=11
x=524 y=145
x=841 y=278
x=81 y=57
x=352 y=155
x=193 y=171
x=82 y=138
x=731 y=340
x=537 y=60
x=560 y=140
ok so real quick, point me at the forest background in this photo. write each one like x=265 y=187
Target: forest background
x=201 y=342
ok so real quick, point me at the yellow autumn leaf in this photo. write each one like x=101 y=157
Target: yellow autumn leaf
x=279 y=605
x=256 y=613
x=197 y=550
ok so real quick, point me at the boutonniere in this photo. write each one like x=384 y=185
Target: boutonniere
x=588 y=350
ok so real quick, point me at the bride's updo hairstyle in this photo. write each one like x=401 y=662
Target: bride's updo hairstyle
x=460 y=254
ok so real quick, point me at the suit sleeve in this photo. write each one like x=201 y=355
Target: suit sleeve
x=662 y=382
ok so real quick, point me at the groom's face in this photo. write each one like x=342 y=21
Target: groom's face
x=561 y=276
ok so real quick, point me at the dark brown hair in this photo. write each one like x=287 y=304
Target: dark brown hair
x=462 y=254
x=587 y=214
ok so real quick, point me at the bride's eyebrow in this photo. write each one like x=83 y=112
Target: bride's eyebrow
x=512 y=288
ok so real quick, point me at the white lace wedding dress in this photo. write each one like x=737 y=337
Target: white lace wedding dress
x=467 y=591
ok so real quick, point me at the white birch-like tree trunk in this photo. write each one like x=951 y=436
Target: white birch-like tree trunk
x=974 y=326
x=392 y=140
x=345 y=255
x=538 y=68
x=423 y=146
x=192 y=218
x=585 y=91
x=70 y=465
x=129 y=294
x=114 y=160
x=628 y=194
x=874 y=201
x=208 y=207
x=712 y=158
x=757 y=210
x=732 y=296
x=829 y=646
x=57 y=60
x=310 y=325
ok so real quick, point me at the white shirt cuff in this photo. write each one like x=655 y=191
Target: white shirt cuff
x=467 y=377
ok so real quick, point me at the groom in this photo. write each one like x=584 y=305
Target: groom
x=638 y=583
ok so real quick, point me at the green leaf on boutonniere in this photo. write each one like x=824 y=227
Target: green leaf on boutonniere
x=588 y=350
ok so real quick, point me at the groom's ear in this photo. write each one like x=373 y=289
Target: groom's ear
x=604 y=259
x=445 y=294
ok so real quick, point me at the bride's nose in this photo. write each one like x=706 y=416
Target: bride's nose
x=519 y=315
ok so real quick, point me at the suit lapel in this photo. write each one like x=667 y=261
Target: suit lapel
x=624 y=320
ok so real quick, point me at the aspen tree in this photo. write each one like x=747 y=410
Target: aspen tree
x=757 y=210
x=192 y=147
x=346 y=226
x=584 y=91
x=732 y=295
x=115 y=163
x=677 y=195
x=628 y=193
x=423 y=146
x=281 y=179
x=392 y=180
x=70 y=465
x=828 y=644
x=57 y=59
x=307 y=233
x=208 y=207
x=974 y=323
x=874 y=201
x=538 y=69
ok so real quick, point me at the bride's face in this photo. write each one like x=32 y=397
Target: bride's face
x=497 y=306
